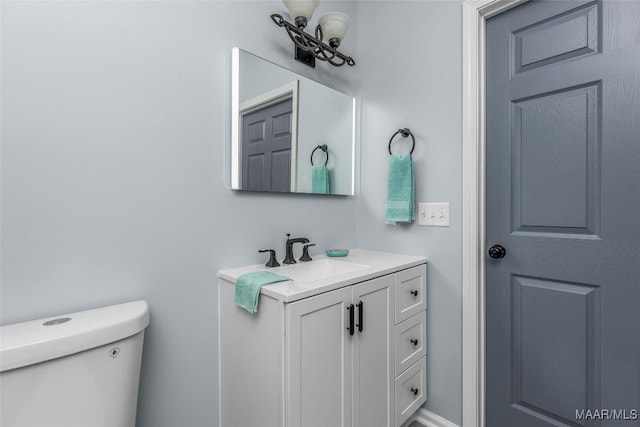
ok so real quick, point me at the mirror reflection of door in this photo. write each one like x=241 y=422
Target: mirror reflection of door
x=266 y=147
x=268 y=129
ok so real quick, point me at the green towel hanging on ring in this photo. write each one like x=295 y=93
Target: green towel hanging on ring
x=401 y=206
x=320 y=179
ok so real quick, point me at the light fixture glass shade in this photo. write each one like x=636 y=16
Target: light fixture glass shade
x=334 y=25
x=303 y=8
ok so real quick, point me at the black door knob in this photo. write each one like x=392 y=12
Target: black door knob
x=497 y=251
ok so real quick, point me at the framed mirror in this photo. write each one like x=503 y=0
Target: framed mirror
x=288 y=133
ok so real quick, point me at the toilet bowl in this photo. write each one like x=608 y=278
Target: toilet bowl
x=79 y=369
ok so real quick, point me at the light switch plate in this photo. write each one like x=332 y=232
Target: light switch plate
x=433 y=214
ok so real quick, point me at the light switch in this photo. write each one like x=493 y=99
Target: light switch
x=433 y=214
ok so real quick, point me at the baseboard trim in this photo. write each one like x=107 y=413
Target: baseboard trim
x=429 y=419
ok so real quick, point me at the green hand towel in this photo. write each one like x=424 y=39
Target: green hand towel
x=248 y=288
x=401 y=206
x=320 y=179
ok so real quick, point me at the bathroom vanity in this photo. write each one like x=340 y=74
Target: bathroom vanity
x=341 y=344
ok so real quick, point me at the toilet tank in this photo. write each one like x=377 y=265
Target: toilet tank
x=79 y=369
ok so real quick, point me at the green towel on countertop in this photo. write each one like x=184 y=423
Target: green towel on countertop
x=320 y=179
x=401 y=206
x=248 y=288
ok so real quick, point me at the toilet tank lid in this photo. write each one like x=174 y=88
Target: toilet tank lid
x=36 y=341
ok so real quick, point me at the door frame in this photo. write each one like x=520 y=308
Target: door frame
x=474 y=16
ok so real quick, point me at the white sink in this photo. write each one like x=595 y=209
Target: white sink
x=325 y=274
x=313 y=271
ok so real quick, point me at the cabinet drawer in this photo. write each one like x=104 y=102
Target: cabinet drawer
x=410 y=292
x=411 y=391
x=410 y=341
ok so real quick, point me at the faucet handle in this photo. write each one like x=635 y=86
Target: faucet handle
x=272 y=258
x=305 y=252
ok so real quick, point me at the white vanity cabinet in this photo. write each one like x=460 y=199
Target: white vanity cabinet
x=338 y=374
x=343 y=357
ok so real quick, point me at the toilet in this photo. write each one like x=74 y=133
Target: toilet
x=79 y=369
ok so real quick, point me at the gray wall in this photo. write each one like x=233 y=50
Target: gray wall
x=413 y=79
x=113 y=120
x=112 y=181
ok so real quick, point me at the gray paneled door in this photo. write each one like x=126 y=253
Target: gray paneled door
x=266 y=147
x=563 y=199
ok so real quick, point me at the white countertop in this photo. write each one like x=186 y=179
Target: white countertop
x=364 y=264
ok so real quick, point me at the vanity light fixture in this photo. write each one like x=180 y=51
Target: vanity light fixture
x=308 y=48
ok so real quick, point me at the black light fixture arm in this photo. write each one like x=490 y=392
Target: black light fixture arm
x=314 y=44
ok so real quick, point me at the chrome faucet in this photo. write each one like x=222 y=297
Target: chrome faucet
x=289 y=259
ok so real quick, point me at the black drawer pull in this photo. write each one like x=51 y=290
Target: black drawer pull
x=414 y=292
x=415 y=391
x=414 y=341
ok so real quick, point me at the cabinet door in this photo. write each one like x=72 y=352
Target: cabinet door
x=373 y=364
x=319 y=354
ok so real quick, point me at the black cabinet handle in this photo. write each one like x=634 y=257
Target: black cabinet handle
x=414 y=292
x=360 y=316
x=415 y=391
x=414 y=341
x=350 y=328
